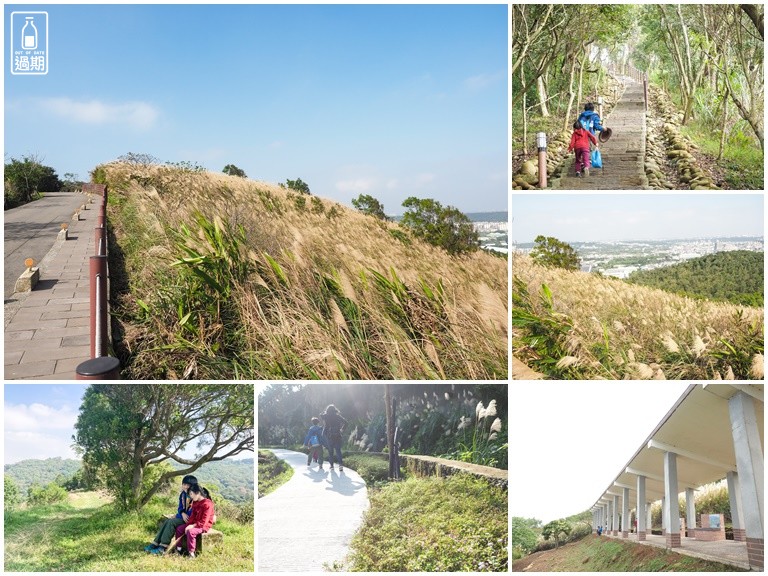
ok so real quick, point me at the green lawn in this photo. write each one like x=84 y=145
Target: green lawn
x=85 y=534
x=273 y=472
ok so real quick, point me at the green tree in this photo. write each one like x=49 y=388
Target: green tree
x=128 y=434
x=554 y=529
x=299 y=185
x=369 y=205
x=26 y=177
x=443 y=226
x=524 y=535
x=11 y=496
x=233 y=170
x=549 y=251
x=139 y=159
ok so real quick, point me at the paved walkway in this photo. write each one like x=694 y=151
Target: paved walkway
x=310 y=519
x=30 y=230
x=47 y=331
x=623 y=155
x=725 y=551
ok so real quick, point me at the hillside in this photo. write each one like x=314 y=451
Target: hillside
x=234 y=478
x=735 y=277
x=28 y=472
x=595 y=554
x=572 y=325
x=219 y=277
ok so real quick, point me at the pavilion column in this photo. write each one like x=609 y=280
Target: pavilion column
x=690 y=512
x=625 y=516
x=663 y=516
x=649 y=519
x=608 y=517
x=641 y=516
x=615 y=525
x=671 y=507
x=749 y=466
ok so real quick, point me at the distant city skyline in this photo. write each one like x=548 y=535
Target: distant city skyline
x=635 y=217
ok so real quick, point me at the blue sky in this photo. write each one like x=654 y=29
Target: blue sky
x=39 y=421
x=594 y=217
x=569 y=464
x=392 y=100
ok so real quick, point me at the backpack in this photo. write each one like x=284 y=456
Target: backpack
x=314 y=440
x=587 y=120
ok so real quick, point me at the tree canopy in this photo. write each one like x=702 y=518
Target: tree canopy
x=233 y=170
x=443 y=226
x=26 y=177
x=367 y=204
x=551 y=252
x=129 y=434
x=554 y=529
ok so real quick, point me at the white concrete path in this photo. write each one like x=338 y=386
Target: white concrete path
x=309 y=520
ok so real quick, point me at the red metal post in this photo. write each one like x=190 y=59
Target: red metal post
x=100 y=240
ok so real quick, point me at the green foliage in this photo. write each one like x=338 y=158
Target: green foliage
x=24 y=179
x=11 y=495
x=233 y=170
x=28 y=472
x=128 y=433
x=479 y=447
x=299 y=185
x=373 y=468
x=443 y=226
x=551 y=252
x=524 y=535
x=458 y=524
x=273 y=472
x=367 y=204
x=400 y=236
x=186 y=166
x=554 y=529
x=51 y=493
x=735 y=276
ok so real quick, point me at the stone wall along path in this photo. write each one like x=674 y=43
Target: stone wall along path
x=623 y=155
x=310 y=520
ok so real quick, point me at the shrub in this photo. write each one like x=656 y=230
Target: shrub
x=50 y=494
x=439 y=225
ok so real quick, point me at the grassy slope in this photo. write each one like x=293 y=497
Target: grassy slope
x=296 y=326
x=625 y=331
x=273 y=472
x=434 y=525
x=594 y=554
x=85 y=535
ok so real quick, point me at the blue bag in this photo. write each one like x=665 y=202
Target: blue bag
x=596 y=158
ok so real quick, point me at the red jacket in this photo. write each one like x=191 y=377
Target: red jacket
x=202 y=514
x=580 y=139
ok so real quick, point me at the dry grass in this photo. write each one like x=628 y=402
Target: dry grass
x=606 y=328
x=331 y=294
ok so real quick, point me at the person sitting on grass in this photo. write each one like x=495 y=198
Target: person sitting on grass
x=199 y=522
x=168 y=529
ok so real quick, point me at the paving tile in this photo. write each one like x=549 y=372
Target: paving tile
x=29 y=370
x=33 y=356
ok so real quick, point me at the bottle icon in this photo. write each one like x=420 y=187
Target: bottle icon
x=29 y=34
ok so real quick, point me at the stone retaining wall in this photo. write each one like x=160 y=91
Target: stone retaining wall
x=431 y=466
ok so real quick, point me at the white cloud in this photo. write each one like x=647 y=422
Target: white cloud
x=392 y=183
x=425 y=178
x=483 y=81
x=356 y=185
x=38 y=431
x=139 y=115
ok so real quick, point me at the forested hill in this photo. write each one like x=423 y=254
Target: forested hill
x=234 y=478
x=28 y=472
x=735 y=277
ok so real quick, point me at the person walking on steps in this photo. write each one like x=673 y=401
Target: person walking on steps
x=334 y=425
x=580 y=140
x=590 y=120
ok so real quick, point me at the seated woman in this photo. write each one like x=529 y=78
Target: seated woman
x=167 y=530
x=199 y=521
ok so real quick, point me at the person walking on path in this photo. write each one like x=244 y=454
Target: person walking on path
x=580 y=140
x=314 y=440
x=590 y=120
x=334 y=425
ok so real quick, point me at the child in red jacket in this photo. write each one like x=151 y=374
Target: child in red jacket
x=200 y=520
x=580 y=144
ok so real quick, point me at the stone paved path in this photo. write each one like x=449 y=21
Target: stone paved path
x=623 y=155
x=47 y=332
x=309 y=520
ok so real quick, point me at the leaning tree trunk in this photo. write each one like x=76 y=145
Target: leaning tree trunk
x=571 y=96
x=541 y=89
x=390 y=428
